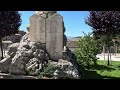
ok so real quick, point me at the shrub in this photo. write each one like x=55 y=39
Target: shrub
x=48 y=71
x=87 y=51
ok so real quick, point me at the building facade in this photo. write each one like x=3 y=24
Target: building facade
x=8 y=40
x=72 y=44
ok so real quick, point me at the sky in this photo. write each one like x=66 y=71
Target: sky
x=74 y=22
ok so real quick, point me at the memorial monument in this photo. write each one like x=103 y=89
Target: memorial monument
x=47 y=27
x=44 y=44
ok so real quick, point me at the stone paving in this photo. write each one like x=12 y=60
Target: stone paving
x=113 y=57
x=101 y=56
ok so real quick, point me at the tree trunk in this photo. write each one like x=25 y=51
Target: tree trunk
x=108 y=50
x=1 y=48
x=104 y=51
x=110 y=56
x=116 y=49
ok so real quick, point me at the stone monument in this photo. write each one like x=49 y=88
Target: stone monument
x=47 y=27
x=44 y=44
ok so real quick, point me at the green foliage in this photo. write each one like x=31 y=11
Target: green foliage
x=48 y=71
x=10 y=22
x=105 y=23
x=102 y=71
x=102 y=40
x=87 y=51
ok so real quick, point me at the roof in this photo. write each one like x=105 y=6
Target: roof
x=72 y=44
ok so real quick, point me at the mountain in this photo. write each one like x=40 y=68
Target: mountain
x=70 y=37
x=78 y=37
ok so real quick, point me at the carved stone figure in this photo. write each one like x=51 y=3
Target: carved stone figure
x=45 y=14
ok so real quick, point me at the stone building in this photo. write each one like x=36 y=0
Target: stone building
x=72 y=44
x=8 y=40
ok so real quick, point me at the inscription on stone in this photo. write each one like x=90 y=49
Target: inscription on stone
x=50 y=32
x=37 y=29
x=53 y=44
x=42 y=31
x=54 y=39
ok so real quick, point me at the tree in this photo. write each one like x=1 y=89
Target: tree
x=9 y=24
x=102 y=41
x=105 y=23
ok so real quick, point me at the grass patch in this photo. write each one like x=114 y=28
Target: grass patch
x=103 y=71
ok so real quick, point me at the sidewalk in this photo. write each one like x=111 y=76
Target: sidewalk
x=113 y=57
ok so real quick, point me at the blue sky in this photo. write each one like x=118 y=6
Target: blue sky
x=74 y=21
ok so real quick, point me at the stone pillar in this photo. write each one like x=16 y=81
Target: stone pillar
x=54 y=36
x=37 y=29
